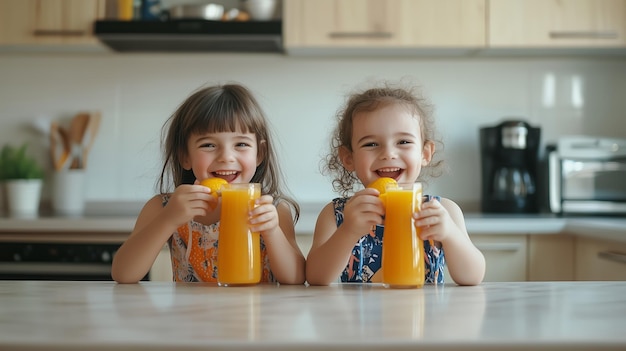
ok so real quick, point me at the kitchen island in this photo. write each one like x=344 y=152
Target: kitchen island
x=63 y=315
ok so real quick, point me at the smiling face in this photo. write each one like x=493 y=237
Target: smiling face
x=232 y=156
x=387 y=142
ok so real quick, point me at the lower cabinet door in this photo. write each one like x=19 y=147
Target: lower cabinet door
x=600 y=259
x=505 y=257
x=162 y=267
x=551 y=257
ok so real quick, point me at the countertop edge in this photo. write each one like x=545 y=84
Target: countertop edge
x=100 y=220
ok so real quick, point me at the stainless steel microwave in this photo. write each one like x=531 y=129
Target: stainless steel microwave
x=587 y=175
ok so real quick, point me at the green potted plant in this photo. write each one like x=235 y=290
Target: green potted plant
x=22 y=179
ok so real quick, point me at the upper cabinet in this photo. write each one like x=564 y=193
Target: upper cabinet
x=49 y=22
x=365 y=27
x=383 y=24
x=557 y=23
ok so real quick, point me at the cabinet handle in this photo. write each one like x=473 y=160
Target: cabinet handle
x=373 y=35
x=59 y=32
x=583 y=35
x=499 y=247
x=613 y=256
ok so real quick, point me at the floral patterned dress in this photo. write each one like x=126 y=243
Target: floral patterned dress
x=193 y=250
x=366 y=257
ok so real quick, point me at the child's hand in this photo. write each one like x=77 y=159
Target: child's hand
x=362 y=212
x=187 y=202
x=264 y=217
x=435 y=222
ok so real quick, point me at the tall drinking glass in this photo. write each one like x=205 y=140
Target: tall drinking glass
x=403 y=250
x=239 y=249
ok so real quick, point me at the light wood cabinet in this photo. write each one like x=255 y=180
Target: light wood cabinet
x=557 y=23
x=384 y=24
x=600 y=259
x=505 y=257
x=532 y=257
x=49 y=22
x=161 y=270
x=551 y=257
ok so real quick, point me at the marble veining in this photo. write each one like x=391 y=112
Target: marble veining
x=148 y=315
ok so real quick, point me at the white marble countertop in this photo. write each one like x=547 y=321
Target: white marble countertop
x=40 y=315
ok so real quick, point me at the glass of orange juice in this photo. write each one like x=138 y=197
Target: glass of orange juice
x=403 y=250
x=238 y=249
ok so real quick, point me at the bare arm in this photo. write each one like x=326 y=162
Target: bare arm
x=332 y=245
x=444 y=222
x=155 y=224
x=286 y=258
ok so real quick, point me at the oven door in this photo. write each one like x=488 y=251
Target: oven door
x=593 y=186
x=53 y=271
x=56 y=261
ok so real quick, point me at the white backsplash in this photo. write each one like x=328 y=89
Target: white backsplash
x=136 y=93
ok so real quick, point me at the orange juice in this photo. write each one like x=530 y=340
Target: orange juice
x=403 y=250
x=238 y=249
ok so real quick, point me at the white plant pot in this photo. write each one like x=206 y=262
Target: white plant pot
x=23 y=197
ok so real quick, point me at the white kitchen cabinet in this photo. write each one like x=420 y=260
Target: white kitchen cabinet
x=557 y=23
x=505 y=257
x=41 y=23
x=598 y=259
x=380 y=24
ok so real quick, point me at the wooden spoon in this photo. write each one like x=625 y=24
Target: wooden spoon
x=59 y=145
x=54 y=132
x=78 y=127
x=90 y=135
x=67 y=146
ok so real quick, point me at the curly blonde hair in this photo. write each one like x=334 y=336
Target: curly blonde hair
x=370 y=99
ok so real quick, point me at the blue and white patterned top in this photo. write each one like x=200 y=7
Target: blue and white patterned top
x=366 y=257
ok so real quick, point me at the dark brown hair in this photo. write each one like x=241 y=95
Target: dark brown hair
x=214 y=109
x=370 y=99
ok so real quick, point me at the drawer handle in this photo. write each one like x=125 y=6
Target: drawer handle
x=583 y=35
x=613 y=256
x=499 y=247
x=371 y=35
x=59 y=32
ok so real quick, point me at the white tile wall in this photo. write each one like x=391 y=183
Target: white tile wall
x=136 y=93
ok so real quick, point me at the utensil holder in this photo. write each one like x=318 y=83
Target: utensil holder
x=68 y=192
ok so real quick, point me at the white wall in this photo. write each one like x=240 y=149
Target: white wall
x=136 y=93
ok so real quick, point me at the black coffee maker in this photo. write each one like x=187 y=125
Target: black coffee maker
x=509 y=153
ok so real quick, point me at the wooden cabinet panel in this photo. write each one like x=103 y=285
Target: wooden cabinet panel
x=600 y=259
x=384 y=23
x=34 y=22
x=162 y=267
x=550 y=257
x=346 y=23
x=505 y=257
x=557 y=23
